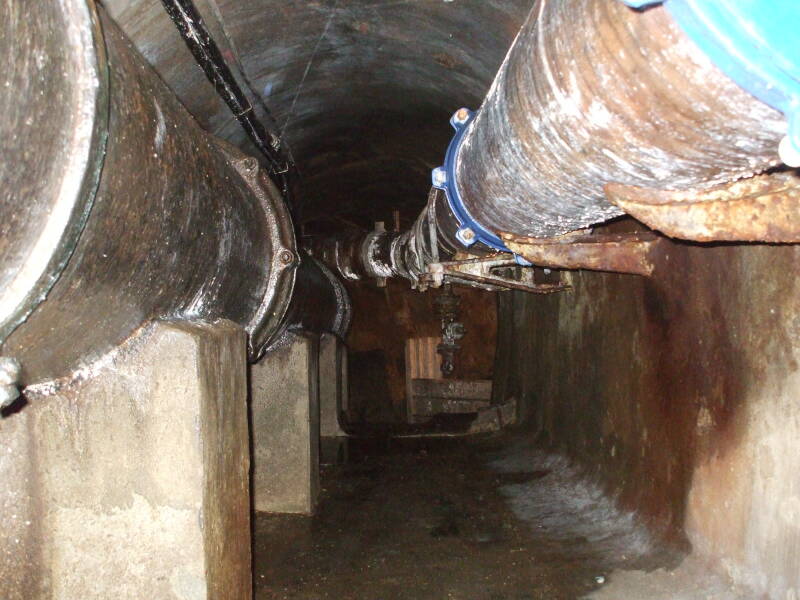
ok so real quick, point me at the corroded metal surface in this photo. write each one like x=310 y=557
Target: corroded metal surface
x=594 y=92
x=479 y=390
x=52 y=137
x=383 y=319
x=380 y=254
x=320 y=302
x=279 y=276
x=426 y=406
x=448 y=311
x=342 y=254
x=760 y=209
x=491 y=273
x=552 y=132
x=618 y=253
x=176 y=231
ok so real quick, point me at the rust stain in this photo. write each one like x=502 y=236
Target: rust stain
x=617 y=253
x=644 y=380
x=494 y=272
x=765 y=208
x=384 y=318
x=446 y=60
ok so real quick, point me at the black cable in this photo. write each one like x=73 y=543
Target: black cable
x=200 y=42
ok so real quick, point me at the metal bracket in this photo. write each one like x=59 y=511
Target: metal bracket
x=614 y=253
x=759 y=209
x=487 y=273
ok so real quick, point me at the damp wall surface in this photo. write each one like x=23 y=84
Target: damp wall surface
x=680 y=394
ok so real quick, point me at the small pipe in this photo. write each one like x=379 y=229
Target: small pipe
x=201 y=44
x=380 y=254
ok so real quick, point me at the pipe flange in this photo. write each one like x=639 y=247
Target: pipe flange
x=470 y=231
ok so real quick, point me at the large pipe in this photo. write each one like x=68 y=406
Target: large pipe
x=116 y=207
x=320 y=303
x=594 y=92
x=591 y=92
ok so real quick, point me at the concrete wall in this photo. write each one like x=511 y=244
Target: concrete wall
x=332 y=385
x=680 y=393
x=284 y=416
x=130 y=480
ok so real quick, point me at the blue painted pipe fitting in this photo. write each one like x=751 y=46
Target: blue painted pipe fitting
x=755 y=44
x=470 y=231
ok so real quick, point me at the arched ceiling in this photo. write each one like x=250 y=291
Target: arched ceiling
x=362 y=90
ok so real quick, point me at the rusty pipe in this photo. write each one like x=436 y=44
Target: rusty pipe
x=594 y=92
x=382 y=254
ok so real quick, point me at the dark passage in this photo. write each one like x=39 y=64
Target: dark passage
x=399 y=299
x=489 y=518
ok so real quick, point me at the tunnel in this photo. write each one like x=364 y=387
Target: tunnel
x=413 y=299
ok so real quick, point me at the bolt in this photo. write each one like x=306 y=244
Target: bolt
x=439 y=177
x=9 y=375
x=286 y=257
x=461 y=116
x=466 y=236
x=250 y=164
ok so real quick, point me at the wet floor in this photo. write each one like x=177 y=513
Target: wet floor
x=463 y=519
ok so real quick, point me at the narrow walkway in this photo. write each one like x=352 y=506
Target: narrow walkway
x=426 y=519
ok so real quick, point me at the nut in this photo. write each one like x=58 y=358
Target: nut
x=461 y=116
x=286 y=257
x=439 y=177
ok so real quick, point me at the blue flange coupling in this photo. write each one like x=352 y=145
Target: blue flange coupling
x=470 y=231
x=755 y=43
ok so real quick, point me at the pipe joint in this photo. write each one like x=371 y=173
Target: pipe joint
x=470 y=231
